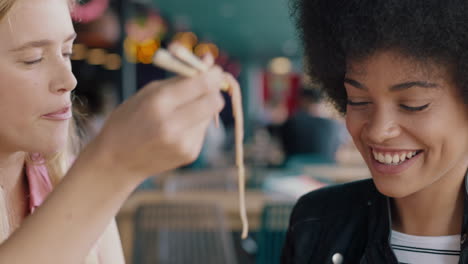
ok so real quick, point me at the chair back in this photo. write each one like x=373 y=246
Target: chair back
x=182 y=233
x=274 y=224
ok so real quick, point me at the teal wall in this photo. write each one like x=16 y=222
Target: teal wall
x=247 y=29
x=251 y=31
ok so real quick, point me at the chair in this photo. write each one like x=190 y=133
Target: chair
x=220 y=179
x=182 y=233
x=274 y=224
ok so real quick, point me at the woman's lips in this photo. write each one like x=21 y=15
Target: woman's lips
x=62 y=114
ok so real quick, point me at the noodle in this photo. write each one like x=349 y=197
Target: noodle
x=236 y=96
x=231 y=86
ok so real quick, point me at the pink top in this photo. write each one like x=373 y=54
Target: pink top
x=39 y=183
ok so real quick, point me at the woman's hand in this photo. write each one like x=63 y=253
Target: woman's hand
x=162 y=127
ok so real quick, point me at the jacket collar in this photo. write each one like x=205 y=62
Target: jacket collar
x=379 y=224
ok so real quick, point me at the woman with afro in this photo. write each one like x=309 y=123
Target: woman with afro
x=398 y=71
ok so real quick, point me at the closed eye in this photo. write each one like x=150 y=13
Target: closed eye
x=32 y=62
x=351 y=103
x=68 y=55
x=414 y=108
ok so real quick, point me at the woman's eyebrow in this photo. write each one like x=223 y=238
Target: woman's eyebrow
x=395 y=87
x=407 y=85
x=355 y=84
x=40 y=43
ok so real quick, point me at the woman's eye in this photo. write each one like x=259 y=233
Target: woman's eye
x=32 y=62
x=352 y=103
x=414 y=108
x=68 y=55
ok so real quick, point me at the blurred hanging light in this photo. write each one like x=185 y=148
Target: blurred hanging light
x=280 y=66
x=141 y=51
x=204 y=48
x=96 y=56
x=146 y=51
x=79 y=52
x=113 y=62
x=186 y=39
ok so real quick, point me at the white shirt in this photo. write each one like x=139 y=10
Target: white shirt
x=425 y=249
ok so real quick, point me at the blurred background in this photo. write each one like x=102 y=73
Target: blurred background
x=295 y=141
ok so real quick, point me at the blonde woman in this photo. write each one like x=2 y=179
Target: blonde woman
x=160 y=128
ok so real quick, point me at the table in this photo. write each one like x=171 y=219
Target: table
x=255 y=201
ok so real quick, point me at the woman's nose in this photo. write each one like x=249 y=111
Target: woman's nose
x=382 y=126
x=63 y=79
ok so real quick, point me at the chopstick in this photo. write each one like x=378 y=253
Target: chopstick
x=165 y=59
x=184 y=63
x=185 y=55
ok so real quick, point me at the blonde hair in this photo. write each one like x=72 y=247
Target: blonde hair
x=57 y=164
x=5 y=6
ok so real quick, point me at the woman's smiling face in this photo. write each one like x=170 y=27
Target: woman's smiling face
x=408 y=120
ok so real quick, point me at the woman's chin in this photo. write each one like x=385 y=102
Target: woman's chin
x=392 y=189
x=49 y=148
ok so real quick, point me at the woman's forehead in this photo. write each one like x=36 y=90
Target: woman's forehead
x=32 y=20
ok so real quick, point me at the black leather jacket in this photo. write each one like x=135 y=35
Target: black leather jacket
x=352 y=220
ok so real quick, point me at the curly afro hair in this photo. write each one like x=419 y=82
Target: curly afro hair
x=334 y=31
